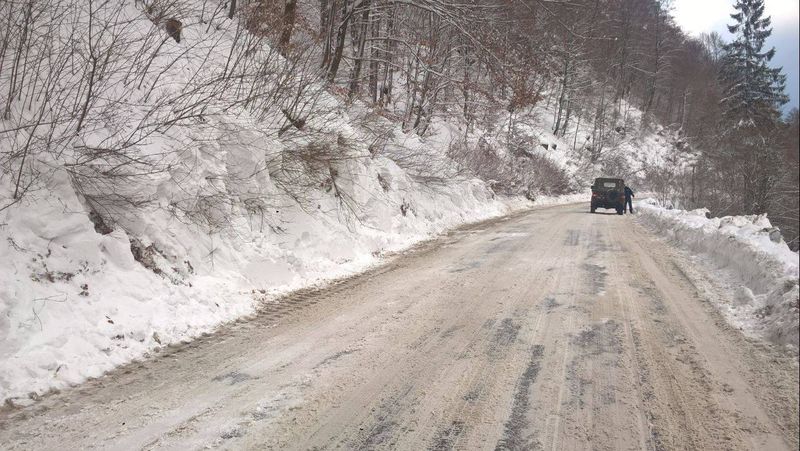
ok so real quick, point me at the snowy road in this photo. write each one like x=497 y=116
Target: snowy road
x=544 y=330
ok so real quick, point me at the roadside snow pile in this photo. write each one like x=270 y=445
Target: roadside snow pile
x=753 y=251
x=75 y=303
x=565 y=199
x=171 y=205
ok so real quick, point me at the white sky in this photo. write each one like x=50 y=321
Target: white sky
x=697 y=16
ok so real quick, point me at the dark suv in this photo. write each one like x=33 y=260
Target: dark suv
x=608 y=193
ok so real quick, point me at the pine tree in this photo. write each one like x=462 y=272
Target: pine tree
x=754 y=91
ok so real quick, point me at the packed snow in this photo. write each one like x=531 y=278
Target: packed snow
x=762 y=270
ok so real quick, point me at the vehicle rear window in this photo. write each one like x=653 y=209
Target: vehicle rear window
x=609 y=184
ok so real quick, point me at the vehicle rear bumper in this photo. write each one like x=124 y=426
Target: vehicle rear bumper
x=606 y=204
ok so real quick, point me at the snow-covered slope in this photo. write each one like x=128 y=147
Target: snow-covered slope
x=76 y=303
x=223 y=210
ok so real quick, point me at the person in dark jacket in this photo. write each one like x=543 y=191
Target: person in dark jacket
x=628 y=201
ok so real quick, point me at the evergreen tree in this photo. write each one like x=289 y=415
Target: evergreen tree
x=754 y=92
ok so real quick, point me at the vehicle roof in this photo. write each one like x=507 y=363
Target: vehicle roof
x=599 y=179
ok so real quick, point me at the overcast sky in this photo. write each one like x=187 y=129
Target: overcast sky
x=699 y=16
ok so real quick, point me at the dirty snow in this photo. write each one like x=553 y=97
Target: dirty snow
x=758 y=266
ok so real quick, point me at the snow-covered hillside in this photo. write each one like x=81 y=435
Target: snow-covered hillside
x=76 y=302
x=196 y=221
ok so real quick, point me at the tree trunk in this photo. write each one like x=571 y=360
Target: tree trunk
x=374 y=52
x=562 y=97
x=361 y=44
x=341 y=34
x=324 y=16
x=388 y=75
x=329 y=30
x=289 y=14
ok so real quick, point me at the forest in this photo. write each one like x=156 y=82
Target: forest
x=80 y=89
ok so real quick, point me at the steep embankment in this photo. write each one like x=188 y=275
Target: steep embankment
x=190 y=193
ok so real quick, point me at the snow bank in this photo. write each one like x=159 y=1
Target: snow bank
x=753 y=253
x=75 y=303
x=575 y=198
